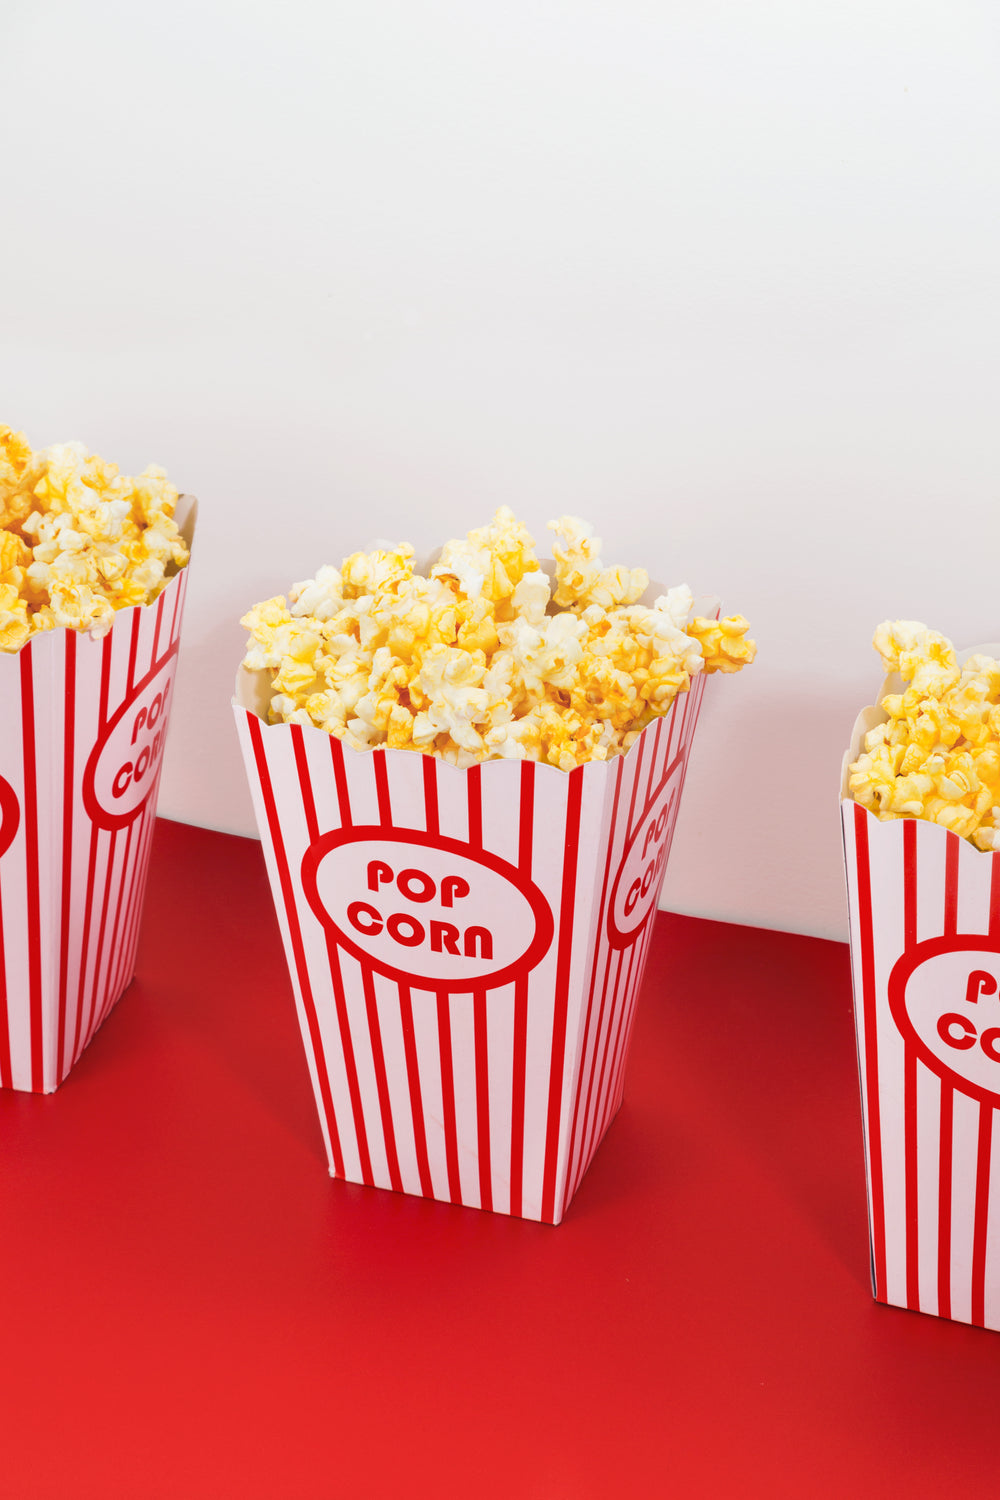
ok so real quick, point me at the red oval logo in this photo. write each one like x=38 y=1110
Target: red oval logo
x=426 y=910
x=640 y=875
x=945 y=1000
x=10 y=815
x=123 y=766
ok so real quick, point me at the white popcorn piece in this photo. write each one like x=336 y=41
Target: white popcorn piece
x=478 y=661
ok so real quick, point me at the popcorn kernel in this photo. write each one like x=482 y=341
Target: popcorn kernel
x=937 y=756
x=485 y=658
x=78 y=540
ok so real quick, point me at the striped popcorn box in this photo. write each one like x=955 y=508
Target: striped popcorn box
x=925 y=954
x=465 y=948
x=81 y=746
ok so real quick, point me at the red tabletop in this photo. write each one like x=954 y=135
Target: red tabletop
x=192 y=1307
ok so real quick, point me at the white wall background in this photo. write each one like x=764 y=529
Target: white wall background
x=721 y=277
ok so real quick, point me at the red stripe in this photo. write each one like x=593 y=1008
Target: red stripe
x=526 y=816
x=600 y=942
x=448 y=1098
x=621 y=1062
x=79 y=1040
x=285 y=882
x=382 y=788
x=159 y=621
x=105 y=680
x=141 y=854
x=81 y=1032
x=609 y=994
x=655 y=735
x=517 y=1097
x=910 y=881
x=416 y=1098
x=339 y=995
x=178 y=595
x=670 y=721
x=911 y=1179
x=432 y=821
x=910 y=1159
x=381 y=1080
x=947 y=1100
x=952 y=843
x=944 y=1202
x=676 y=724
x=350 y=1065
x=593 y=1111
x=136 y=878
x=475 y=793
x=638 y=751
x=31 y=872
x=305 y=782
x=133 y=648
x=981 y=1220
x=312 y=824
x=123 y=945
x=340 y=777
x=616 y=1031
x=6 y=1074
x=871 y=1048
x=483 y=1099
x=69 y=730
x=129 y=885
x=564 y=954
x=109 y=871
x=114 y=951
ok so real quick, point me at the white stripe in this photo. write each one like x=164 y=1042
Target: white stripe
x=394 y=1053
x=463 y=1055
x=929 y=1159
x=885 y=853
x=963 y=1204
x=425 y=1030
x=992 y=1299
x=500 y=1043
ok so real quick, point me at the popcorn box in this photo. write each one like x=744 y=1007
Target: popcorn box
x=81 y=747
x=925 y=955
x=465 y=948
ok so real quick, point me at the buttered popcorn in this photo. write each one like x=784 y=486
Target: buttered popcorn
x=937 y=755
x=78 y=540
x=486 y=657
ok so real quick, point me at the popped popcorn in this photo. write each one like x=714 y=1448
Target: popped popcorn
x=937 y=755
x=485 y=658
x=78 y=540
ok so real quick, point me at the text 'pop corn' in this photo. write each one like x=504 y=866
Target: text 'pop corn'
x=937 y=755
x=486 y=657
x=78 y=540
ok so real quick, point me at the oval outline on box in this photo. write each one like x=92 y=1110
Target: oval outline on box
x=10 y=815
x=96 y=811
x=666 y=796
x=528 y=959
x=902 y=972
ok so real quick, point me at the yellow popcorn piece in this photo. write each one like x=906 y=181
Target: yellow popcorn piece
x=15 y=627
x=937 y=756
x=581 y=577
x=724 y=643
x=79 y=540
x=478 y=660
x=490 y=562
x=14 y=558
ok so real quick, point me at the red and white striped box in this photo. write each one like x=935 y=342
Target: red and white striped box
x=925 y=954
x=465 y=948
x=81 y=747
